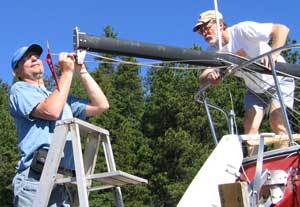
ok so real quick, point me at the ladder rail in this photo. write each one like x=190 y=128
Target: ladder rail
x=47 y=179
x=79 y=167
x=110 y=161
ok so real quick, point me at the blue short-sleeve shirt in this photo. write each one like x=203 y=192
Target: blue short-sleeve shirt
x=37 y=133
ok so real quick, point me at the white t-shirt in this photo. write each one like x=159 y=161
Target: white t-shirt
x=250 y=39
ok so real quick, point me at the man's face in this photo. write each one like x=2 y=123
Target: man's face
x=30 y=67
x=209 y=32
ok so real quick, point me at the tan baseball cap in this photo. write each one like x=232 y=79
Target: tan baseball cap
x=205 y=17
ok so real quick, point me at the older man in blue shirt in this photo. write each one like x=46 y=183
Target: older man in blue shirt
x=36 y=110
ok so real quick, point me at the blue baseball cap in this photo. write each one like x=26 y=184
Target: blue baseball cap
x=21 y=52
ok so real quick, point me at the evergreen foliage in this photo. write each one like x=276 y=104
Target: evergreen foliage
x=8 y=149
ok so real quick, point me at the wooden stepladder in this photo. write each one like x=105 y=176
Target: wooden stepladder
x=84 y=164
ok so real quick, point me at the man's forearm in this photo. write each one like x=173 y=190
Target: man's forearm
x=98 y=100
x=279 y=34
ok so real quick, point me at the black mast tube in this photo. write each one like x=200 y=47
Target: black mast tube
x=168 y=53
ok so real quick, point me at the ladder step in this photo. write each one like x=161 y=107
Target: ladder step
x=114 y=178
x=117 y=178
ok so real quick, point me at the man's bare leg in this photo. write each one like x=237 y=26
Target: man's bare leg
x=277 y=124
x=252 y=121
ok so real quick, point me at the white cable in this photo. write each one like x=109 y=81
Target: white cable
x=116 y=61
x=148 y=64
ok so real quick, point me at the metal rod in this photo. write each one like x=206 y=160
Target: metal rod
x=197 y=99
x=218 y=25
x=143 y=50
x=231 y=120
x=281 y=67
x=168 y=53
x=211 y=124
x=283 y=107
x=256 y=183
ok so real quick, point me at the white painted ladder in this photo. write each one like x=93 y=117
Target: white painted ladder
x=84 y=164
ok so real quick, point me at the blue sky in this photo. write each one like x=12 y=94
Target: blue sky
x=167 y=22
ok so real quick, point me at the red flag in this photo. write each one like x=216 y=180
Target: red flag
x=51 y=66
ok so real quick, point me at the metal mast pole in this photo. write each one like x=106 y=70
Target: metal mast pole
x=83 y=41
x=218 y=25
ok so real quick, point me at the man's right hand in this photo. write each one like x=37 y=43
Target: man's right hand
x=67 y=62
x=214 y=77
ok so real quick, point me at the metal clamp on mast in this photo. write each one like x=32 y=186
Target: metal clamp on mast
x=79 y=52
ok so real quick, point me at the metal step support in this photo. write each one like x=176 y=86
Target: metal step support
x=84 y=164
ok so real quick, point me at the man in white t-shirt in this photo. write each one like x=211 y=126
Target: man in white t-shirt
x=250 y=39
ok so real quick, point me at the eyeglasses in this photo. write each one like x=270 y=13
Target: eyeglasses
x=205 y=27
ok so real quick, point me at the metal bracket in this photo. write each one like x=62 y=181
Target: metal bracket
x=80 y=56
x=260 y=178
x=277 y=177
x=277 y=181
x=79 y=52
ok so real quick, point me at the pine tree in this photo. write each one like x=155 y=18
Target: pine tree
x=8 y=149
x=171 y=121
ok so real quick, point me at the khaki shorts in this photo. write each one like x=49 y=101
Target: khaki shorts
x=263 y=100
